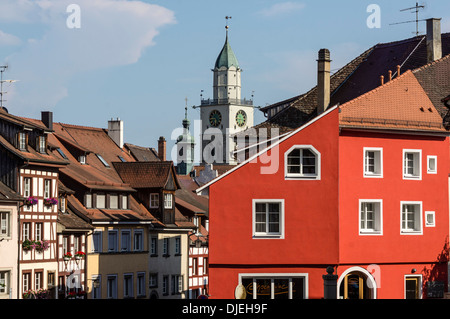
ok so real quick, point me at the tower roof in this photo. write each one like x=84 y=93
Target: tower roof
x=226 y=58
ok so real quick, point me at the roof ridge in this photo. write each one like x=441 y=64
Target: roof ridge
x=431 y=63
x=80 y=126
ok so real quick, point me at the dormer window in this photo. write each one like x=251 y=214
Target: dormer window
x=42 y=144
x=22 y=141
x=82 y=159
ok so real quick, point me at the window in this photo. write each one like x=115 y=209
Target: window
x=62 y=204
x=166 y=247
x=302 y=161
x=97 y=242
x=22 y=141
x=154 y=200
x=38 y=280
x=100 y=200
x=128 y=286
x=76 y=243
x=5 y=224
x=373 y=162
x=154 y=246
x=65 y=246
x=138 y=240
x=268 y=218
x=165 y=285
x=47 y=188
x=111 y=286
x=82 y=159
x=194 y=266
x=411 y=218
x=38 y=231
x=432 y=164
x=96 y=284
x=178 y=246
x=412 y=164
x=42 y=145
x=124 y=201
x=121 y=158
x=88 y=200
x=370 y=217
x=26 y=281
x=153 y=280
x=140 y=284
x=168 y=200
x=27 y=187
x=126 y=240
x=4 y=282
x=274 y=286
x=26 y=231
x=60 y=151
x=430 y=219
x=413 y=287
x=112 y=240
x=113 y=201
x=102 y=160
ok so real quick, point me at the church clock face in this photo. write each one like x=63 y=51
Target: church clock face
x=215 y=118
x=241 y=118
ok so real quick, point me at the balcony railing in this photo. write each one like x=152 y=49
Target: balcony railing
x=226 y=101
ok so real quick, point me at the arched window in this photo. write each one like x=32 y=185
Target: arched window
x=302 y=161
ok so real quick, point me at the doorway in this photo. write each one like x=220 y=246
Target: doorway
x=356 y=283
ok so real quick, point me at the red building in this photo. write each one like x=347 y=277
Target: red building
x=362 y=187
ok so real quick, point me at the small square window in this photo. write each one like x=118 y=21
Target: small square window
x=268 y=218
x=432 y=164
x=154 y=200
x=430 y=219
x=373 y=162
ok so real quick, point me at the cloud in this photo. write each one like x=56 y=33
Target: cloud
x=8 y=39
x=281 y=9
x=112 y=33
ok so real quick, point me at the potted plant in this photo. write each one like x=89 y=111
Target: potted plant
x=29 y=294
x=79 y=254
x=81 y=294
x=30 y=200
x=27 y=245
x=67 y=256
x=42 y=294
x=50 y=201
x=71 y=295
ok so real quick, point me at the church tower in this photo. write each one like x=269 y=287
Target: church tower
x=185 y=148
x=226 y=113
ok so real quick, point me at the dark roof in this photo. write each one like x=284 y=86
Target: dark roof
x=356 y=78
x=7 y=194
x=142 y=154
x=147 y=174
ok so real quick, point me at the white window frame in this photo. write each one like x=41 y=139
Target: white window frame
x=295 y=176
x=431 y=170
x=47 y=188
x=378 y=206
x=27 y=186
x=154 y=200
x=433 y=216
x=417 y=175
x=5 y=281
x=168 y=200
x=5 y=224
x=103 y=201
x=378 y=162
x=419 y=218
x=268 y=235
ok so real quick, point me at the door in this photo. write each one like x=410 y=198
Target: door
x=412 y=288
x=354 y=286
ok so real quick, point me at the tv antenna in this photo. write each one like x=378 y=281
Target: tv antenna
x=3 y=69
x=416 y=11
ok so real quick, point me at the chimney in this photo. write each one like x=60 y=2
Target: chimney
x=434 y=40
x=162 y=148
x=323 y=80
x=115 y=131
x=47 y=119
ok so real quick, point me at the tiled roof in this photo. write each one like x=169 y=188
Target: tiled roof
x=7 y=194
x=400 y=104
x=146 y=174
x=358 y=77
x=142 y=154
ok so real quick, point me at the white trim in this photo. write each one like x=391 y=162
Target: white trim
x=305 y=277
x=411 y=232
x=293 y=176
x=199 y=190
x=380 y=164
x=419 y=168
x=369 y=277
x=429 y=157
x=281 y=222
x=379 y=216
x=419 y=284
x=433 y=224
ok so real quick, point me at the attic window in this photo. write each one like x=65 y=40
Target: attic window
x=22 y=141
x=102 y=160
x=82 y=159
x=121 y=159
x=42 y=144
x=60 y=151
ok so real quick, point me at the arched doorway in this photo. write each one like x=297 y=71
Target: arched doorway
x=356 y=283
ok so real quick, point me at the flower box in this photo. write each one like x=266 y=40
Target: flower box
x=50 y=201
x=79 y=254
x=67 y=256
x=29 y=201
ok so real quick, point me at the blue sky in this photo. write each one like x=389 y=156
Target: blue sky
x=139 y=60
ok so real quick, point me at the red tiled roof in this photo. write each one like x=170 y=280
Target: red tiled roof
x=400 y=104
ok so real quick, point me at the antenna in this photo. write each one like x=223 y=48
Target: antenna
x=3 y=69
x=416 y=10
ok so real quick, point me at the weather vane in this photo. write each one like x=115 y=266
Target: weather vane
x=226 y=25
